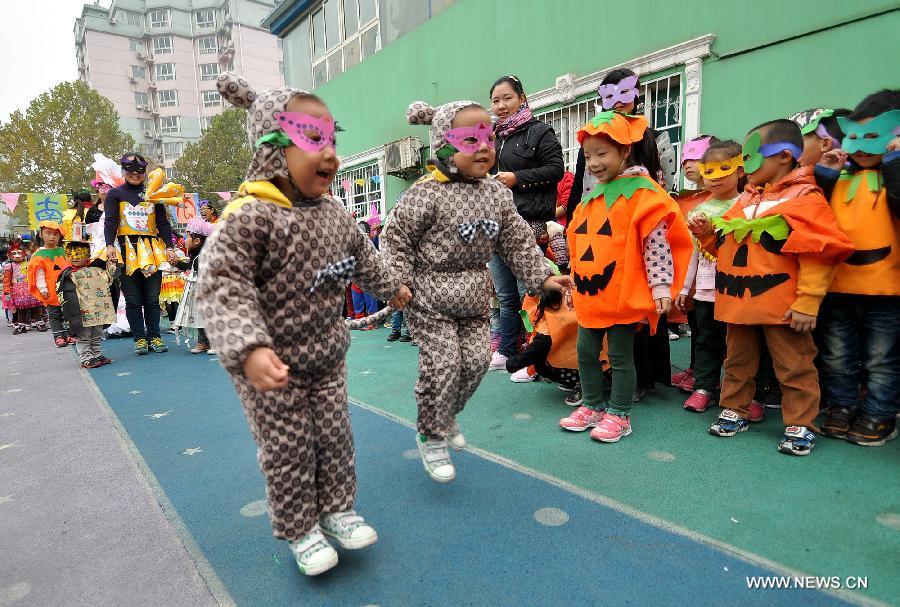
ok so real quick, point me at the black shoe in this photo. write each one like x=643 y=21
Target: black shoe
x=406 y=338
x=394 y=336
x=838 y=422
x=869 y=432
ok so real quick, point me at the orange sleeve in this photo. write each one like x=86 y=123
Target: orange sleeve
x=813 y=280
x=7 y=279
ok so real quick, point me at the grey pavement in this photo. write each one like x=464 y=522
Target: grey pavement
x=79 y=522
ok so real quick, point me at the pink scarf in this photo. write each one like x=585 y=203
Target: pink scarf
x=510 y=124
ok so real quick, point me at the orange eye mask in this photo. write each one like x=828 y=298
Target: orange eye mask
x=717 y=170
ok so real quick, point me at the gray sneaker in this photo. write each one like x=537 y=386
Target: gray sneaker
x=455 y=438
x=348 y=529
x=436 y=458
x=313 y=553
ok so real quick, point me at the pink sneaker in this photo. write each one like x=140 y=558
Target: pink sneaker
x=582 y=419
x=687 y=384
x=677 y=378
x=698 y=402
x=757 y=411
x=611 y=428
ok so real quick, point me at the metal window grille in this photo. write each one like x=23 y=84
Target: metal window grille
x=660 y=101
x=366 y=188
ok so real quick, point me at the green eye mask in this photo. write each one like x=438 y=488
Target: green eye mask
x=446 y=152
x=276 y=138
x=872 y=137
x=752 y=158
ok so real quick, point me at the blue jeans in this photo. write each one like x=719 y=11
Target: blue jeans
x=510 y=291
x=397 y=321
x=364 y=303
x=860 y=345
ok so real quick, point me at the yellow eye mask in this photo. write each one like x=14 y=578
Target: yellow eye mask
x=77 y=253
x=717 y=170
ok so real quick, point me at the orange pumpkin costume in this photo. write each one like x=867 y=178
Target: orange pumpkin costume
x=562 y=328
x=859 y=202
x=784 y=257
x=52 y=262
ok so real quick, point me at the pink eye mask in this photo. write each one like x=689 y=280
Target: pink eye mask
x=625 y=91
x=295 y=125
x=462 y=138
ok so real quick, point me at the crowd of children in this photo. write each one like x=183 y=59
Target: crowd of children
x=785 y=260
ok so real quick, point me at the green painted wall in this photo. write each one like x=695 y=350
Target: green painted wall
x=459 y=53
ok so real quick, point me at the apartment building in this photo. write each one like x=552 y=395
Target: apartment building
x=157 y=61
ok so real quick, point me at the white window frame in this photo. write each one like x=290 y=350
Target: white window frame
x=206 y=123
x=169 y=74
x=173 y=150
x=209 y=12
x=173 y=102
x=136 y=46
x=130 y=17
x=363 y=165
x=163 y=50
x=155 y=22
x=139 y=105
x=170 y=173
x=206 y=49
x=206 y=99
x=138 y=72
x=571 y=93
x=169 y=125
x=343 y=39
x=209 y=76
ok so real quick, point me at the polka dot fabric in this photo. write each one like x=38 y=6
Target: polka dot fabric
x=254 y=291
x=440 y=118
x=448 y=275
x=268 y=160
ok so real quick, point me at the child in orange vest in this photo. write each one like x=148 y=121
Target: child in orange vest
x=628 y=250
x=778 y=248
x=46 y=265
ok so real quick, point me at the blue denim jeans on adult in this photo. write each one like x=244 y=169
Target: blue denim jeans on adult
x=860 y=345
x=510 y=291
x=142 y=303
x=397 y=322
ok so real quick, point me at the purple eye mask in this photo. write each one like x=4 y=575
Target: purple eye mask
x=469 y=139
x=625 y=91
x=296 y=126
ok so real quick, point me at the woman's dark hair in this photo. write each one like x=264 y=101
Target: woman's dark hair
x=723 y=149
x=549 y=299
x=192 y=254
x=876 y=104
x=616 y=76
x=136 y=155
x=512 y=81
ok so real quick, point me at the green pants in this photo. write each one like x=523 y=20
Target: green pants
x=620 y=342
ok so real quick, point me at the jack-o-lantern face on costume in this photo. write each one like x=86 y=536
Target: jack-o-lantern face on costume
x=751 y=268
x=600 y=239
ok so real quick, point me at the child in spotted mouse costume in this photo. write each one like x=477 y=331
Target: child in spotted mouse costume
x=438 y=239
x=272 y=279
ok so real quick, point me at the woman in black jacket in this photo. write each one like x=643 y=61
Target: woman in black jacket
x=530 y=163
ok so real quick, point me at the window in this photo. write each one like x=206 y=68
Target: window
x=172 y=150
x=206 y=18
x=146 y=125
x=660 y=102
x=344 y=32
x=136 y=45
x=130 y=17
x=139 y=72
x=165 y=71
x=141 y=100
x=170 y=173
x=160 y=18
x=162 y=45
x=365 y=187
x=207 y=45
x=209 y=71
x=169 y=124
x=167 y=98
x=206 y=122
x=211 y=98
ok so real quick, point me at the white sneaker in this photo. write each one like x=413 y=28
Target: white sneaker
x=498 y=362
x=313 y=553
x=455 y=439
x=348 y=529
x=522 y=376
x=211 y=351
x=436 y=459
x=673 y=336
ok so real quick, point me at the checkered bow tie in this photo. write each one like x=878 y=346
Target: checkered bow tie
x=339 y=271
x=468 y=230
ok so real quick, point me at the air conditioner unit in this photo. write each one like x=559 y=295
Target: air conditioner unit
x=148 y=134
x=403 y=158
x=112 y=19
x=145 y=108
x=132 y=79
x=151 y=84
